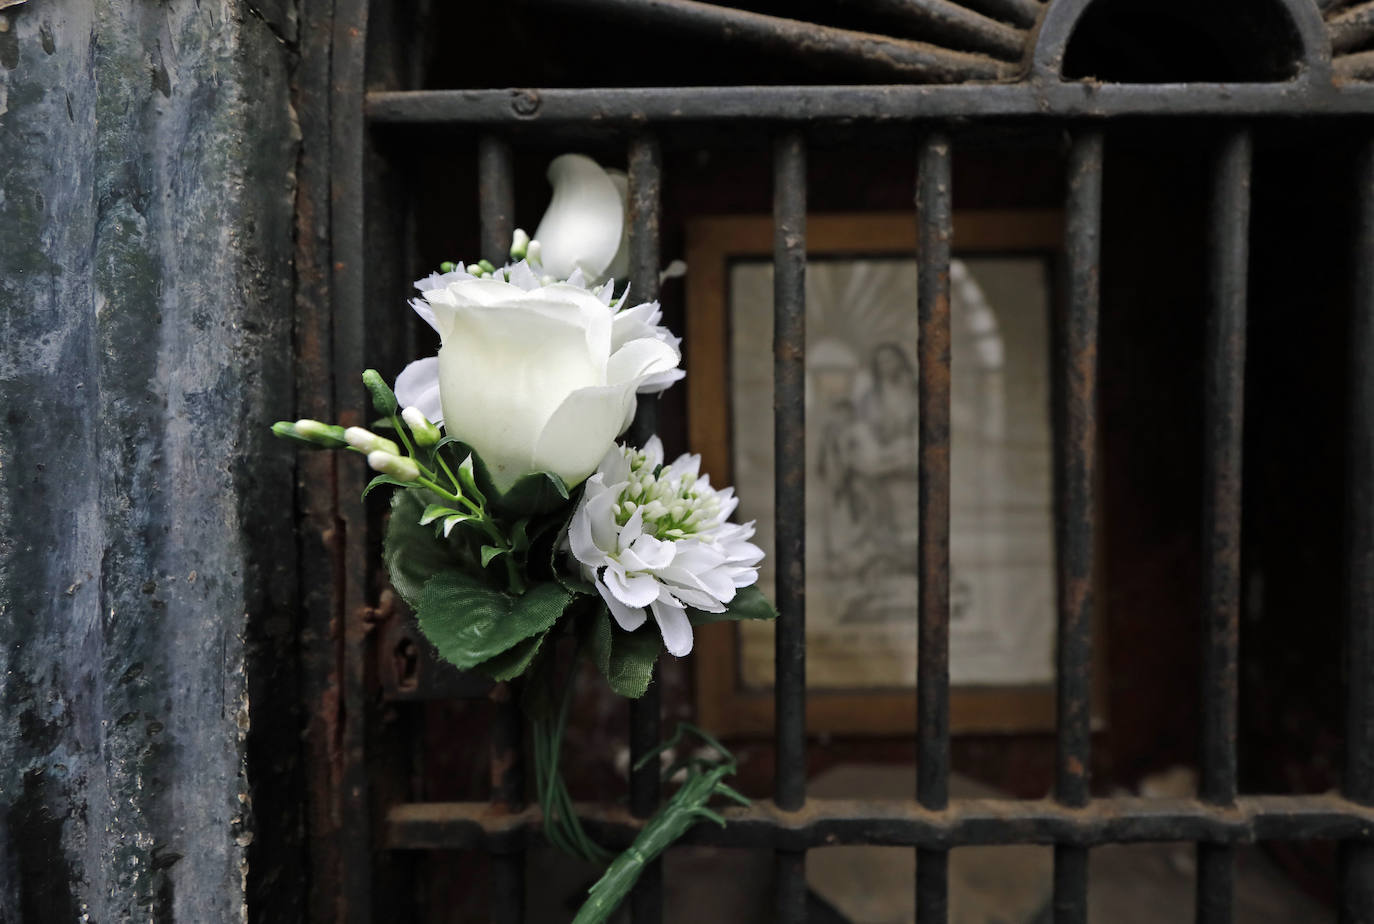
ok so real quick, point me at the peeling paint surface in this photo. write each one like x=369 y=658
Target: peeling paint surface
x=146 y=206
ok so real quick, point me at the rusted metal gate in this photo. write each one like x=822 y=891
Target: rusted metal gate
x=1005 y=64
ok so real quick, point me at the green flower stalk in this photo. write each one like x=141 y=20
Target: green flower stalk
x=705 y=779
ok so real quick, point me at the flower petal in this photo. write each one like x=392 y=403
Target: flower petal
x=628 y=617
x=583 y=226
x=426 y=313
x=632 y=590
x=581 y=540
x=578 y=432
x=673 y=623
x=418 y=386
x=640 y=358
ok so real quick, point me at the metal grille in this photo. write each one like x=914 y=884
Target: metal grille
x=790 y=824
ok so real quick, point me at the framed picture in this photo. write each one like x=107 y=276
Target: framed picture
x=861 y=465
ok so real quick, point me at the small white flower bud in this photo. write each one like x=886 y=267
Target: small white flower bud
x=476 y=270
x=402 y=468
x=426 y=434
x=534 y=252
x=520 y=243
x=367 y=441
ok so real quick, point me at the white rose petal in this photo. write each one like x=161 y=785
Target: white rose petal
x=584 y=224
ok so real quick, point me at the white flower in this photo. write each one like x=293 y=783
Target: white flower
x=531 y=376
x=584 y=227
x=655 y=537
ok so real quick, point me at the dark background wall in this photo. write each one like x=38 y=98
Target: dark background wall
x=147 y=155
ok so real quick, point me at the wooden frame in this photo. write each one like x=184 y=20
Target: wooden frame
x=724 y=704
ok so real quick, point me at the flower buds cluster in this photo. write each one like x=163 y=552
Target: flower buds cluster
x=312 y=433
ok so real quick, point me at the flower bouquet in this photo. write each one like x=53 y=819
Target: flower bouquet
x=518 y=519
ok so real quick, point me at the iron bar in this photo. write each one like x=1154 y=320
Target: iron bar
x=1351 y=28
x=1076 y=479
x=1358 y=66
x=1357 y=858
x=819 y=46
x=496 y=198
x=1224 y=415
x=905 y=823
x=1022 y=13
x=789 y=440
x=496 y=206
x=634 y=106
x=348 y=125
x=646 y=171
x=950 y=22
x=934 y=211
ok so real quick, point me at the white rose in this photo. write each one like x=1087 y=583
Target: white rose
x=528 y=375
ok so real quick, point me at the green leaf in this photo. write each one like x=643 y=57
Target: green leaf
x=625 y=659
x=749 y=603
x=513 y=662
x=383 y=399
x=435 y=511
x=490 y=552
x=470 y=622
x=468 y=479
x=412 y=552
x=386 y=479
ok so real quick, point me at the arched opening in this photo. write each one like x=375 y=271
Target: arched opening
x=1179 y=41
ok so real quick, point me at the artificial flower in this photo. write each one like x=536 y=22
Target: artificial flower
x=584 y=227
x=530 y=375
x=655 y=539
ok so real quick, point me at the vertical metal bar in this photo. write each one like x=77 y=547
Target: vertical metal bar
x=934 y=211
x=495 y=197
x=1077 y=458
x=1224 y=415
x=646 y=170
x=789 y=436
x=496 y=205
x=1357 y=858
x=354 y=903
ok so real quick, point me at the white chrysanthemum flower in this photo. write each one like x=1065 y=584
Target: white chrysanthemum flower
x=654 y=538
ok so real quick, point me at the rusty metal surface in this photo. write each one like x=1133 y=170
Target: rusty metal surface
x=1351 y=28
x=789 y=435
x=351 y=895
x=1075 y=523
x=879 y=56
x=1358 y=66
x=934 y=216
x=935 y=227
x=645 y=194
x=634 y=106
x=905 y=823
x=954 y=25
x=1023 y=13
x=789 y=407
x=1224 y=415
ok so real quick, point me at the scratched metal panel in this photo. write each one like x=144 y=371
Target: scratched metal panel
x=146 y=194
